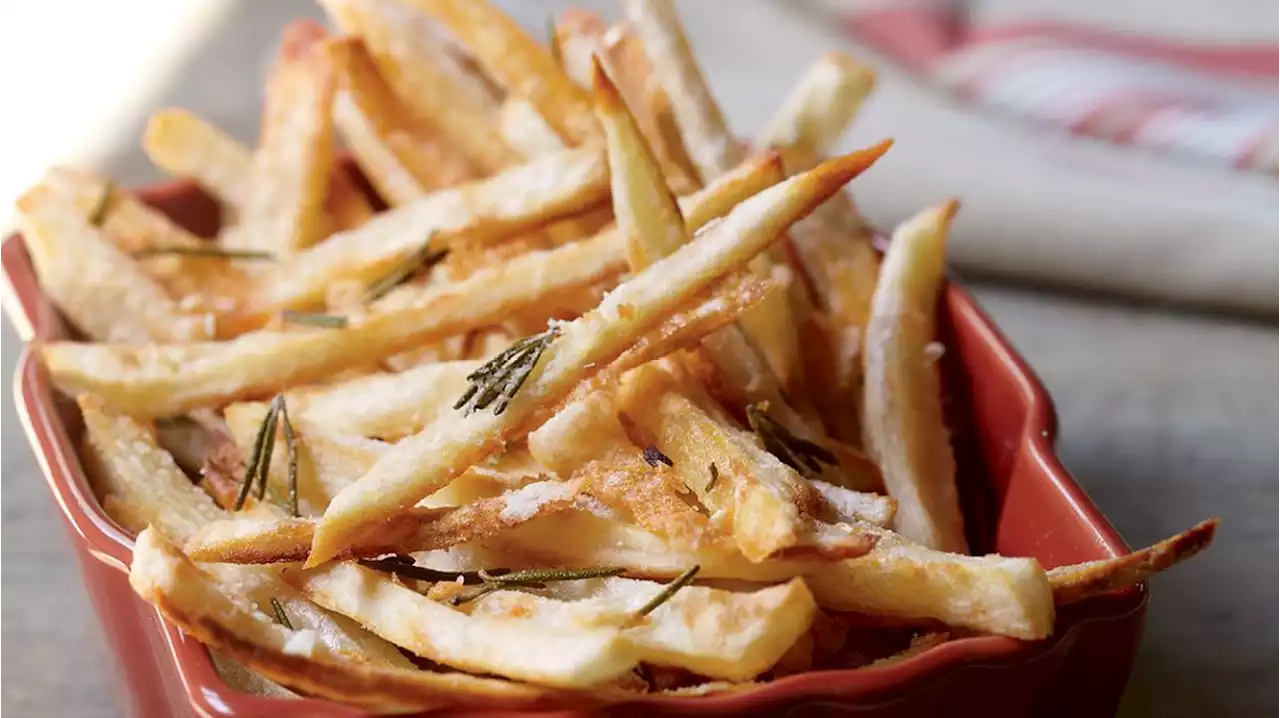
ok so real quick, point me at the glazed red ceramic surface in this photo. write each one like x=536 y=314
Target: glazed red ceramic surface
x=1018 y=501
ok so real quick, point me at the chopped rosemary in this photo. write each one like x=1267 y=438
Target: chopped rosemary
x=800 y=454
x=209 y=251
x=653 y=457
x=553 y=42
x=332 y=321
x=667 y=592
x=98 y=214
x=404 y=567
x=281 y=617
x=264 y=443
x=530 y=578
x=500 y=378
x=421 y=257
x=291 y=446
x=715 y=475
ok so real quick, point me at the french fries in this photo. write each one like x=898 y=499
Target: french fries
x=427 y=79
x=902 y=410
x=516 y=62
x=422 y=463
x=579 y=416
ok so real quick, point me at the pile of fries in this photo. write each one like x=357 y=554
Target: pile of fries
x=591 y=400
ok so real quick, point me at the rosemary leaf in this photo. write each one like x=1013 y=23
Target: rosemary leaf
x=269 y=444
x=98 y=214
x=653 y=457
x=420 y=258
x=281 y=617
x=803 y=455
x=542 y=575
x=291 y=445
x=255 y=458
x=500 y=379
x=209 y=251
x=715 y=475
x=332 y=321
x=404 y=567
x=667 y=592
x=553 y=42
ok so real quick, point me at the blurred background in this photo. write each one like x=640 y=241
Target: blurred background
x=1117 y=166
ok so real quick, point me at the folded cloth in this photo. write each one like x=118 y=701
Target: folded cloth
x=1039 y=204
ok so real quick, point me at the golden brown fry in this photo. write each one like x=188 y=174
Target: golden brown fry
x=821 y=105
x=365 y=113
x=736 y=636
x=255 y=540
x=759 y=500
x=426 y=78
x=291 y=167
x=421 y=464
x=647 y=213
x=533 y=651
x=991 y=594
x=1079 y=581
x=586 y=440
x=517 y=62
x=185 y=145
x=904 y=429
x=99 y=288
x=199 y=604
x=702 y=126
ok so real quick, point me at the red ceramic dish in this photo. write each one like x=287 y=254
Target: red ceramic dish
x=1018 y=501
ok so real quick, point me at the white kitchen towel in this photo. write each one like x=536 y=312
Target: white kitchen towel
x=1039 y=204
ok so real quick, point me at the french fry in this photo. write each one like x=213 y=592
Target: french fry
x=142 y=481
x=566 y=657
x=586 y=440
x=846 y=506
x=904 y=429
x=385 y=406
x=185 y=145
x=298 y=659
x=601 y=541
x=736 y=636
x=426 y=78
x=420 y=464
x=990 y=594
x=257 y=540
x=517 y=62
x=99 y=288
x=760 y=500
x=702 y=126
x=821 y=105
x=525 y=130
x=364 y=113
x=291 y=167
x=1077 y=582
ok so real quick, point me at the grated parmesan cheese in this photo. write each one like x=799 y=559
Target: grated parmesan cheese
x=525 y=503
